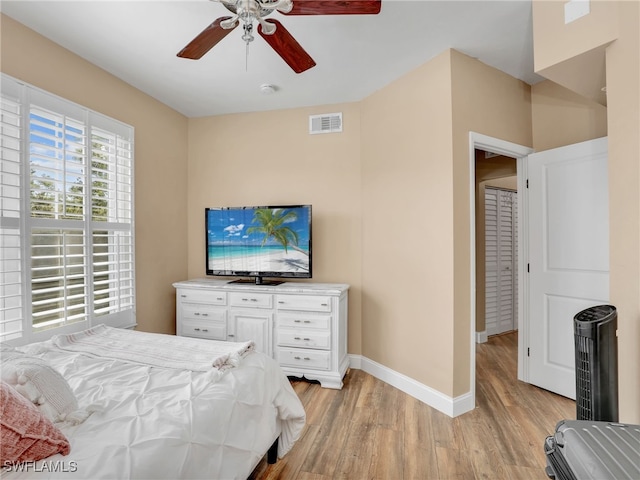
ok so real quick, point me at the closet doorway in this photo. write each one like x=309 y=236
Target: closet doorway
x=496 y=245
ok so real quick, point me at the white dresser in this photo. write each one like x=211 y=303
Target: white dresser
x=302 y=325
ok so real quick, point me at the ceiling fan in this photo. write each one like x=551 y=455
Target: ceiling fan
x=278 y=37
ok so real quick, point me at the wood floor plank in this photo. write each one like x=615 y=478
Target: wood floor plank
x=293 y=466
x=420 y=455
x=312 y=476
x=484 y=453
x=391 y=408
x=334 y=429
x=359 y=450
x=453 y=464
x=386 y=461
x=371 y=430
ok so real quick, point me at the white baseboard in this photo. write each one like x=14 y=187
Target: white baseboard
x=482 y=337
x=441 y=402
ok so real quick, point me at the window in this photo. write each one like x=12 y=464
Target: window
x=66 y=216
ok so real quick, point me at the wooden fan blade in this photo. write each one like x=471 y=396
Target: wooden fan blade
x=287 y=47
x=205 y=40
x=335 y=7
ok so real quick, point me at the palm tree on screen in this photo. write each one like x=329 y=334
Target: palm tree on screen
x=272 y=222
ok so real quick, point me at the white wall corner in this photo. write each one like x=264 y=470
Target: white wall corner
x=435 y=399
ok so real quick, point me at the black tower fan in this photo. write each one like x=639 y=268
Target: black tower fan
x=596 y=364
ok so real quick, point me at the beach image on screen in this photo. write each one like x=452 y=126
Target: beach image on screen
x=259 y=240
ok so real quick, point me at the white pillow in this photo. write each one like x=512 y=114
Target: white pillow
x=41 y=384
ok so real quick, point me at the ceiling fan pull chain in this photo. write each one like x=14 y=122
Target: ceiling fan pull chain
x=247 y=37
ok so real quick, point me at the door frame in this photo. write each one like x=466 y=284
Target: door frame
x=520 y=153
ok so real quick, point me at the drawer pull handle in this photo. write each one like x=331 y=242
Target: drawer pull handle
x=307 y=321
x=300 y=358
x=305 y=339
x=197 y=314
x=324 y=304
x=281 y=302
x=205 y=314
x=297 y=321
x=231 y=335
x=205 y=330
x=254 y=299
x=183 y=296
x=219 y=298
x=197 y=329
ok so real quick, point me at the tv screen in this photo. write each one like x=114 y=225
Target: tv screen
x=259 y=242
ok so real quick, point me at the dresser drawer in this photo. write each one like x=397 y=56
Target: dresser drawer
x=256 y=300
x=300 y=320
x=202 y=296
x=315 y=359
x=302 y=338
x=196 y=311
x=210 y=330
x=309 y=303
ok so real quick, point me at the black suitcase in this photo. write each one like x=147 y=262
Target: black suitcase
x=585 y=450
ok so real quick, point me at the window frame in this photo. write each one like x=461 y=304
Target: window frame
x=28 y=98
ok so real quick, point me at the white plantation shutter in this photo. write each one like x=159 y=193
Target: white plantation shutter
x=58 y=277
x=492 y=286
x=11 y=253
x=500 y=261
x=112 y=213
x=507 y=262
x=77 y=220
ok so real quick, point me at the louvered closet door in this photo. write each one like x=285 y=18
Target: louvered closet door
x=501 y=261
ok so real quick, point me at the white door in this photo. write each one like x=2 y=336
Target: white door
x=500 y=261
x=253 y=325
x=568 y=200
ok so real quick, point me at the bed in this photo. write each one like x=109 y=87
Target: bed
x=149 y=406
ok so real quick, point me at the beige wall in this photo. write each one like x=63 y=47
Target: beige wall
x=492 y=103
x=407 y=256
x=416 y=308
x=160 y=159
x=615 y=25
x=270 y=158
x=562 y=117
x=623 y=92
x=573 y=54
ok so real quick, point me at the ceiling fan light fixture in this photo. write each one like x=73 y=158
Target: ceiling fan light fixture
x=229 y=23
x=284 y=6
x=268 y=28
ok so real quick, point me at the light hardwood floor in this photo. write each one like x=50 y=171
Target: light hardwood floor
x=371 y=430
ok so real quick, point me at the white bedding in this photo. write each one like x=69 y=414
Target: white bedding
x=150 y=422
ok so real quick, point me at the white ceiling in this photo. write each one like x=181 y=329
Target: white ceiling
x=356 y=55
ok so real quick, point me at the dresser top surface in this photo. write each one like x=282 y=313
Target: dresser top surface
x=285 y=287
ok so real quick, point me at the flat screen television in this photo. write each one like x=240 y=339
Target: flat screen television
x=259 y=242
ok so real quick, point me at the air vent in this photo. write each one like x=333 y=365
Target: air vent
x=327 y=123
